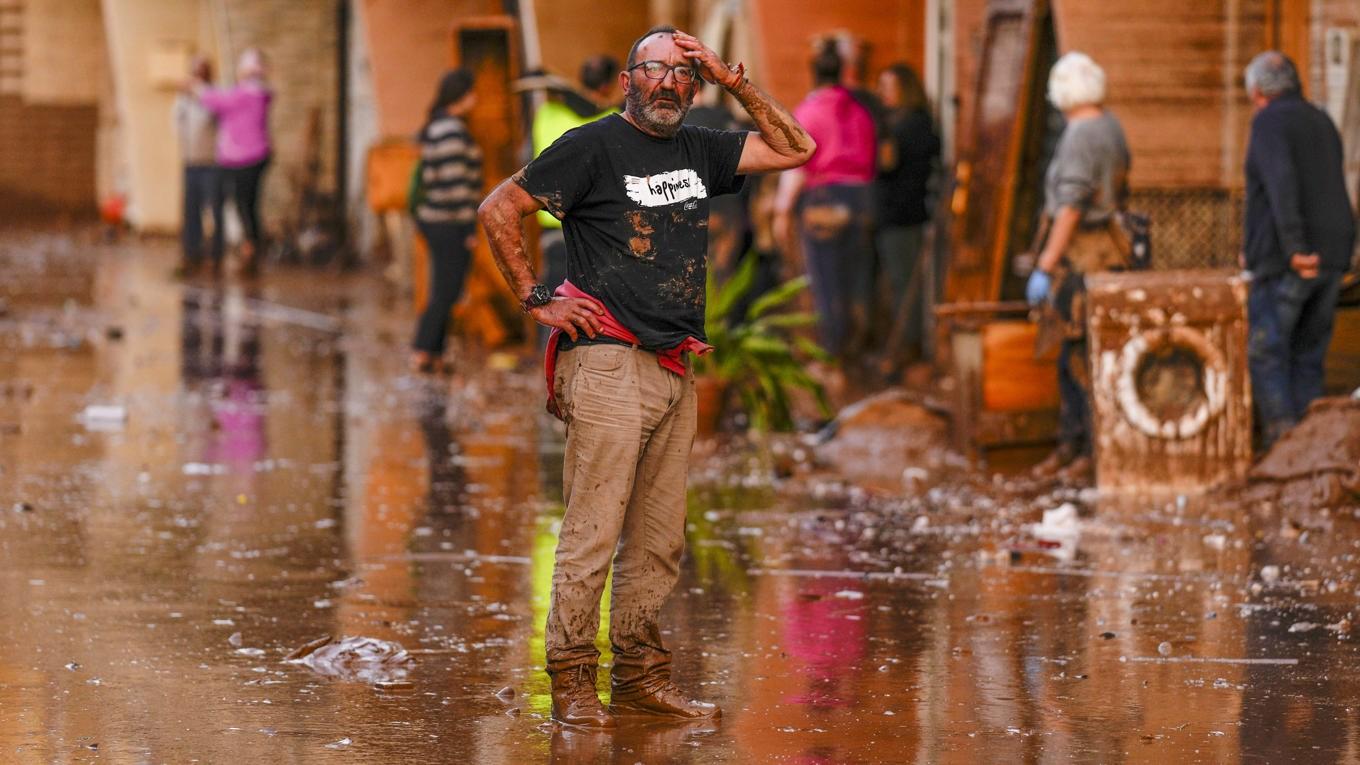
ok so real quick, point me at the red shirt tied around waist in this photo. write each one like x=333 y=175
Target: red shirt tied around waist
x=672 y=360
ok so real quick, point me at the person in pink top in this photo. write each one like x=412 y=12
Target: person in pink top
x=243 y=147
x=832 y=198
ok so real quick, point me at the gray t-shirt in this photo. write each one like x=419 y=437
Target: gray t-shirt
x=197 y=131
x=1089 y=170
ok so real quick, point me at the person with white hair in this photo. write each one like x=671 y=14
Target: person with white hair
x=1298 y=239
x=243 y=145
x=1085 y=188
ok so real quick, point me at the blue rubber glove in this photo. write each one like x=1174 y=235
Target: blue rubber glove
x=1036 y=290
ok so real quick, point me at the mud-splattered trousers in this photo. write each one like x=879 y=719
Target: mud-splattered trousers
x=1291 y=326
x=630 y=427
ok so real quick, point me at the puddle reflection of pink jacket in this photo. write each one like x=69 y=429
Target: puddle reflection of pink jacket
x=672 y=360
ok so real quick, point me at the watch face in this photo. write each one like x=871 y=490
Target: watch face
x=538 y=296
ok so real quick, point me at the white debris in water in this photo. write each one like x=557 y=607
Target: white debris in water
x=912 y=474
x=201 y=468
x=1215 y=541
x=362 y=659
x=1270 y=574
x=850 y=595
x=103 y=417
x=341 y=744
x=1164 y=648
x=1302 y=627
x=1060 y=527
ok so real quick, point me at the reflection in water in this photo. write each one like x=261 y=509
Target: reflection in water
x=275 y=482
x=219 y=347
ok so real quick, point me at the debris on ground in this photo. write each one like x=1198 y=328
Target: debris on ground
x=1059 y=531
x=103 y=416
x=380 y=663
x=887 y=442
x=1317 y=463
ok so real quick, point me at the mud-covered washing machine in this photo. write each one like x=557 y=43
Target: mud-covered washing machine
x=1168 y=363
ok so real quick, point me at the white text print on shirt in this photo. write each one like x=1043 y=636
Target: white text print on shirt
x=665 y=188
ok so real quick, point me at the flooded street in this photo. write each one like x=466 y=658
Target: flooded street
x=197 y=479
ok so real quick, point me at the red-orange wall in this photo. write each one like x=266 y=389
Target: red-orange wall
x=784 y=30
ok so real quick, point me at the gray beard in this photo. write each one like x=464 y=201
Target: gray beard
x=664 y=123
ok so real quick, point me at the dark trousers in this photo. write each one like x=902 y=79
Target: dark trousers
x=834 y=228
x=1291 y=326
x=900 y=267
x=1074 y=406
x=553 y=243
x=449 y=260
x=243 y=184
x=201 y=188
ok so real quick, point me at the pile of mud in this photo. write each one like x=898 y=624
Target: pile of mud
x=1317 y=464
x=887 y=442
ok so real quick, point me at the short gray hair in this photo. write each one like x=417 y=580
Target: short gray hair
x=1075 y=81
x=1272 y=74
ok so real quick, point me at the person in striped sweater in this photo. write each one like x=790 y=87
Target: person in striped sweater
x=450 y=190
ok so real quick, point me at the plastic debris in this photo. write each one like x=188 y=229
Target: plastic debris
x=1059 y=531
x=103 y=416
x=355 y=659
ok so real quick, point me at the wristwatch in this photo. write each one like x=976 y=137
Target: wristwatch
x=539 y=296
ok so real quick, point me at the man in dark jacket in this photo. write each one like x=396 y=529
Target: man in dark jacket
x=1300 y=234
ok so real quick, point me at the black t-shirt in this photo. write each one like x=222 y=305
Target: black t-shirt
x=634 y=209
x=903 y=188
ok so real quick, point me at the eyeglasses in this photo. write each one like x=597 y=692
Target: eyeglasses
x=656 y=70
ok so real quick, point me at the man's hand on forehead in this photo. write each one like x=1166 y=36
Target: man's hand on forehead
x=709 y=66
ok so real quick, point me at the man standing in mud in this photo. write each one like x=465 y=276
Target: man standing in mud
x=632 y=192
x=1299 y=237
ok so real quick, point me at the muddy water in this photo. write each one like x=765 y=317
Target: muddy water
x=278 y=477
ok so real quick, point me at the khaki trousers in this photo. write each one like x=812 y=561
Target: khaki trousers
x=630 y=427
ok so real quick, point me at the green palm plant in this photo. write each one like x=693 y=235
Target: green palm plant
x=760 y=355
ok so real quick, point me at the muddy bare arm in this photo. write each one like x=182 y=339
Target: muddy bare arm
x=502 y=214
x=781 y=142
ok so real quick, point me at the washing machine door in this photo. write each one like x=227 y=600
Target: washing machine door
x=1171 y=382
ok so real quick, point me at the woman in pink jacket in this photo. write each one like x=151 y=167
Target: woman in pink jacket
x=243 y=147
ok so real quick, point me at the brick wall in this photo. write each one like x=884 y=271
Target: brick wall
x=893 y=29
x=46 y=158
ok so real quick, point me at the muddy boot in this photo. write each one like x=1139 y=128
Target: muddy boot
x=574 y=701
x=641 y=683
